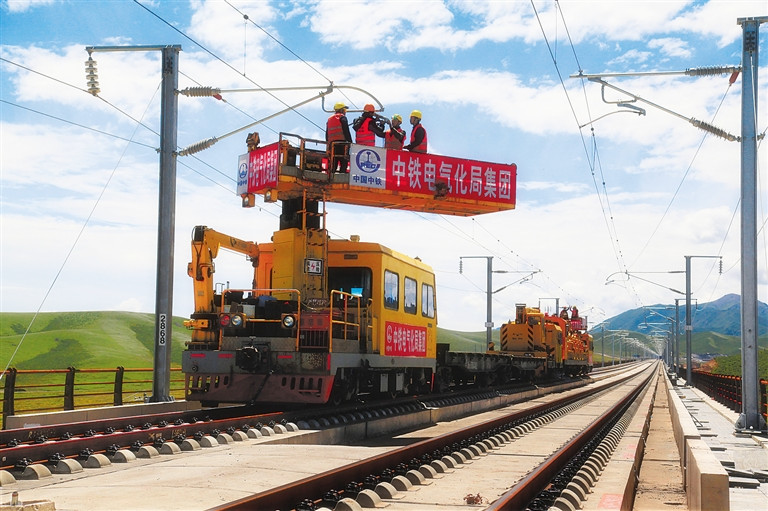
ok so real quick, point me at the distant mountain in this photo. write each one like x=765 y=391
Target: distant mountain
x=722 y=316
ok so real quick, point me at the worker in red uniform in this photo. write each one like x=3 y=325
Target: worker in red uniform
x=394 y=137
x=367 y=127
x=338 y=138
x=418 y=142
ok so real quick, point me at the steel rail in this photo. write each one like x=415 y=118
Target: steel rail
x=521 y=495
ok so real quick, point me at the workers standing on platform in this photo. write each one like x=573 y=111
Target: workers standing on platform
x=418 y=142
x=338 y=138
x=367 y=127
x=394 y=137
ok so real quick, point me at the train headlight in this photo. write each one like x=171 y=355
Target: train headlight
x=231 y=320
x=289 y=321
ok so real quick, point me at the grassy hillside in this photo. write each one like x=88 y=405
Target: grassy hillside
x=465 y=341
x=84 y=340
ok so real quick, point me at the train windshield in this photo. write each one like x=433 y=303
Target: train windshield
x=355 y=281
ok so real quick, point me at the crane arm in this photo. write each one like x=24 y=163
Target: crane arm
x=206 y=243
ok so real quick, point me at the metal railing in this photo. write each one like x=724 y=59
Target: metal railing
x=51 y=390
x=725 y=389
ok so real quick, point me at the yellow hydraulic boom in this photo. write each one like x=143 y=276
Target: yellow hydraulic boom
x=205 y=247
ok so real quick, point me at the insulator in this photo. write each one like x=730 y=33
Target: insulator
x=714 y=130
x=199 y=92
x=92 y=76
x=198 y=146
x=721 y=266
x=461 y=269
x=711 y=70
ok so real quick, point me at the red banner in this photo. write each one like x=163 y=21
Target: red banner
x=432 y=174
x=405 y=340
x=468 y=179
x=261 y=171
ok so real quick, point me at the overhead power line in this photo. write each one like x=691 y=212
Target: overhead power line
x=227 y=64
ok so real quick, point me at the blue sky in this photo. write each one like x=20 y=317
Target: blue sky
x=625 y=193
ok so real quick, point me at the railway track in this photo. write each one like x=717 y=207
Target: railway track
x=568 y=470
x=35 y=447
x=402 y=412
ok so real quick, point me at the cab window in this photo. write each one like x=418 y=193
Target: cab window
x=391 y=290
x=355 y=281
x=409 y=299
x=427 y=301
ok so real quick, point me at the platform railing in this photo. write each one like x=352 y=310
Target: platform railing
x=27 y=391
x=725 y=389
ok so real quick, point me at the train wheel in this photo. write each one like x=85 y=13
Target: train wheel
x=342 y=391
x=442 y=380
x=337 y=396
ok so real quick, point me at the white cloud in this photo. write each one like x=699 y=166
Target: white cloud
x=631 y=57
x=18 y=6
x=223 y=29
x=718 y=19
x=671 y=46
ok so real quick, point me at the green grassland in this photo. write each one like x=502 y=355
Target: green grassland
x=464 y=341
x=57 y=340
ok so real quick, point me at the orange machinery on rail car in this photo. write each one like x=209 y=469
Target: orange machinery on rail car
x=558 y=343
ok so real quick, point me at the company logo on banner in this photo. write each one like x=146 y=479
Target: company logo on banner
x=376 y=167
x=368 y=166
x=405 y=340
x=242 y=174
x=257 y=170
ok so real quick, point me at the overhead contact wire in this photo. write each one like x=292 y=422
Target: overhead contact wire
x=227 y=64
x=607 y=217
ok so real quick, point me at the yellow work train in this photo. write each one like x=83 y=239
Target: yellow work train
x=327 y=319
x=374 y=333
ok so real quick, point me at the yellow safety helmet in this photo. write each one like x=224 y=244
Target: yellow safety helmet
x=397 y=116
x=416 y=114
x=369 y=108
x=339 y=106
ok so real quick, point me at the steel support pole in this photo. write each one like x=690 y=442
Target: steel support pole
x=750 y=418
x=489 y=297
x=166 y=223
x=688 y=326
x=677 y=336
x=602 y=345
x=489 y=306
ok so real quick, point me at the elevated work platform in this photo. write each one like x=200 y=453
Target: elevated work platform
x=376 y=177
